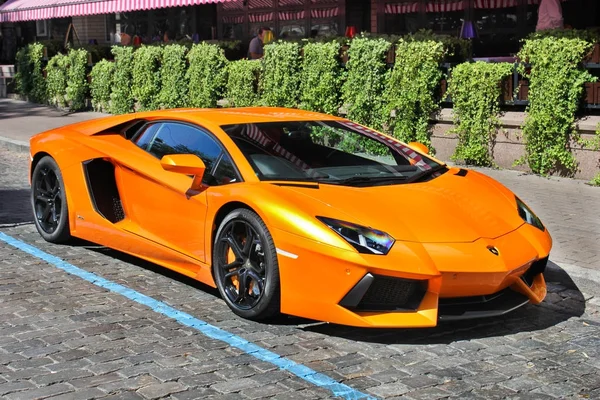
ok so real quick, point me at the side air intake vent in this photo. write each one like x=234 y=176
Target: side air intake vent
x=102 y=186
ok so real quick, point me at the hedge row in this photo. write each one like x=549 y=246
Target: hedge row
x=399 y=100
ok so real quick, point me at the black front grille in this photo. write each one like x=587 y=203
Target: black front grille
x=388 y=293
x=537 y=267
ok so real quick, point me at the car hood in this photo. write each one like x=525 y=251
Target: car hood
x=449 y=209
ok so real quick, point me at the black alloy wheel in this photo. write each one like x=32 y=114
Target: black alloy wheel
x=49 y=202
x=245 y=266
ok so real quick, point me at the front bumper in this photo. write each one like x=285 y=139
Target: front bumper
x=415 y=285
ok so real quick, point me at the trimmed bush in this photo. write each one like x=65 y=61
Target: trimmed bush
x=241 y=89
x=321 y=78
x=475 y=89
x=101 y=86
x=77 y=85
x=121 y=98
x=280 y=80
x=56 y=80
x=146 y=77
x=174 y=85
x=29 y=78
x=206 y=75
x=556 y=86
x=362 y=92
x=411 y=89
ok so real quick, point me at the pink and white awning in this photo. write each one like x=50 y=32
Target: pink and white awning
x=401 y=8
x=495 y=3
x=28 y=10
x=445 y=5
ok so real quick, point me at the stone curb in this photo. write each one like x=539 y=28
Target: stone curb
x=16 y=145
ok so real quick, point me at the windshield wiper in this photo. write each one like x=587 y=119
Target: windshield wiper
x=426 y=173
x=358 y=180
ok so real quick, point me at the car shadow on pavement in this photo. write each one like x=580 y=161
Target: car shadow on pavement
x=138 y=262
x=12 y=211
x=564 y=301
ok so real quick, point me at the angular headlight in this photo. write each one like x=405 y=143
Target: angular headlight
x=363 y=239
x=528 y=215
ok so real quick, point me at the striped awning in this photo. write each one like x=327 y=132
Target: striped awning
x=324 y=12
x=291 y=15
x=401 y=8
x=260 y=17
x=445 y=5
x=495 y=3
x=28 y=10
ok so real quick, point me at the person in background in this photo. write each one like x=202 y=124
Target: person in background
x=549 y=15
x=255 y=49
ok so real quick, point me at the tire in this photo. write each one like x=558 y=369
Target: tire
x=49 y=202
x=246 y=272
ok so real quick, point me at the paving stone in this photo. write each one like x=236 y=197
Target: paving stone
x=159 y=390
x=46 y=391
x=390 y=389
x=84 y=394
x=234 y=385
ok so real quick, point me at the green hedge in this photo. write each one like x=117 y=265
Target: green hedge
x=121 y=96
x=173 y=83
x=241 y=89
x=29 y=78
x=362 y=92
x=280 y=80
x=102 y=85
x=56 y=80
x=475 y=89
x=398 y=100
x=146 y=77
x=411 y=89
x=77 y=85
x=321 y=78
x=556 y=86
x=206 y=75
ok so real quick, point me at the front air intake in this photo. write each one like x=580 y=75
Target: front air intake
x=385 y=293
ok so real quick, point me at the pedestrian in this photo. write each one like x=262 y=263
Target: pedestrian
x=255 y=49
x=549 y=15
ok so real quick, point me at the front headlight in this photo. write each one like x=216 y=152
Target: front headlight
x=363 y=239
x=528 y=215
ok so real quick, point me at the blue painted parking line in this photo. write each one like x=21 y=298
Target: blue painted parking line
x=211 y=331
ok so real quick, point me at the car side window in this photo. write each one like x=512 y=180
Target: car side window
x=175 y=138
x=164 y=138
x=144 y=137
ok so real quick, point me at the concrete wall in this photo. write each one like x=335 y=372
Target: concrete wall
x=90 y=27
x=509 y=144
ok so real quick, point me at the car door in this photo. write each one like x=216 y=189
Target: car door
x=156 y=199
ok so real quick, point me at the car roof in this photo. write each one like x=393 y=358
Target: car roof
x=227 y=116
x=201 y=116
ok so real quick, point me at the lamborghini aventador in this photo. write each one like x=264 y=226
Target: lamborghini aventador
x=293 y=212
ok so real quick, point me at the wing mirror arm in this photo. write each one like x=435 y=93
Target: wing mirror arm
x=187 y=164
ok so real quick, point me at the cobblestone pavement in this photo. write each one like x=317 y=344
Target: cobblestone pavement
x=65 y=338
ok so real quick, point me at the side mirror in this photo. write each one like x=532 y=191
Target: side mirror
x=420 y=147
x=187 y=164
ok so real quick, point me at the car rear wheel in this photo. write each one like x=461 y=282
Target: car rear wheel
x=245 y=266
x=49 y=202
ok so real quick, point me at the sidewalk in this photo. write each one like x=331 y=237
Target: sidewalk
x=569 y=208
x=19 y=120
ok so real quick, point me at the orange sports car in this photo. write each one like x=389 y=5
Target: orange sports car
x=293 y=212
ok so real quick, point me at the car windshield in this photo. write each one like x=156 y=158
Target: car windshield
x=333 y=152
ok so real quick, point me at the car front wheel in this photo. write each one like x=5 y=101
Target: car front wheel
x=245 y=266
x=49 y=202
